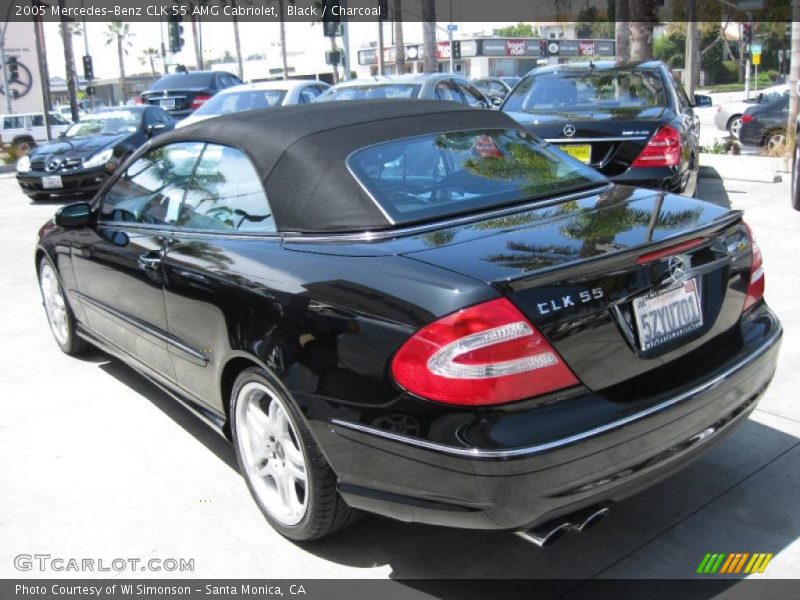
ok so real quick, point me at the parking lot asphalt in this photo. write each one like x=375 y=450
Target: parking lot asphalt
x=98 y=463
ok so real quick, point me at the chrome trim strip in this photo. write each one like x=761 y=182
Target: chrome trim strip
x=572 y=439
x=573 y=140
x=139 y=325
x=369 y=236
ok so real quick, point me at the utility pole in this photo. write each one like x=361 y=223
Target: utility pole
x=691 y=34
x=4 y=65
x=41 y=53
x=450 y=38
x=380 y=46
x=346 y=44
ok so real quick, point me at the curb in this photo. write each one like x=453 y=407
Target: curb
x=761 y=169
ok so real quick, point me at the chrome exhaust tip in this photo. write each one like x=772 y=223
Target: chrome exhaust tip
x=590 y=517
x=546 y=534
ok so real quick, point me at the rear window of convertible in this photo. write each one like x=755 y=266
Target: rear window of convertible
x=446 y=174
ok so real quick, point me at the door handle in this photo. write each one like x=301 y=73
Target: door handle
x=147 y=262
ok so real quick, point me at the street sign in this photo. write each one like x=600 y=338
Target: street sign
x=755 y=48
x=756 y=59
x=452 y=27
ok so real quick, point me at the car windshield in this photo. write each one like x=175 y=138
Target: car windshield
x=588 y=90
x=184 y=81
x=116 y=122
x=431 y=176
x=371 y=92
x=771 y=95
x=225 y=104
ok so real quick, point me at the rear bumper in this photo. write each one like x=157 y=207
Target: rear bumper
x=658 y=178
x=751 y=135
x=413 y=479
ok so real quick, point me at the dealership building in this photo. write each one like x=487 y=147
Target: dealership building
x=483 y=57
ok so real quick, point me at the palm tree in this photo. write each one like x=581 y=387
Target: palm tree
x=149 y=55
x=642 y=15
x=69 y=61
x=399 y=45
x=429 y=64
x=120 y=33
x=622 y=31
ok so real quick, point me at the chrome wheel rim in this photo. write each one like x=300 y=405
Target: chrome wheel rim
x=775 y=140
x=54 y=304
x=736 y=125
x=272 y=453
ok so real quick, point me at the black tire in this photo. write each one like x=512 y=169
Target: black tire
x=795 y=178
x=72 y=344
x=326 y=511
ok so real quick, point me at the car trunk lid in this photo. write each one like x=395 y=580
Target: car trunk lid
x=594 y=273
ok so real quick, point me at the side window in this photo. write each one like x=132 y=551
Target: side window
x=37 y=120
x=309 y=93
x=446 y=90
x=155 y=116
x=472 y=96
x=151 y=189
x=226 y=194
x=683 y=99
x=13 y=122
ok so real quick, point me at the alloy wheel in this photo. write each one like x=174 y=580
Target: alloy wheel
x=734 y=127
x=54 y=304
x=273 y=455
x=775 y=140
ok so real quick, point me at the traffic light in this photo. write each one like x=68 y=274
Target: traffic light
x=13 y=68
x=175 y=34
x=456 y=50
x=383 y=5
x=542 y=47
x=333 y=57
x=88 y=69
x=747 y=33
x=331 y=23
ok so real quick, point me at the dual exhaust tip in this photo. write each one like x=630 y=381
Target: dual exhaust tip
x=548 y=533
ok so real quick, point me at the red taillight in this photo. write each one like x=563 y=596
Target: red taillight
x=199 y=100
x=485 y=354
x=755 y=289
x=138 y=100
x=662 y=150
x=746 y=118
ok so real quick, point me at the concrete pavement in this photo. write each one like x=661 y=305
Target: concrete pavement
x=99 y=463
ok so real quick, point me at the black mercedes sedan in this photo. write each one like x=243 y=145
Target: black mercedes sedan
x=442 y=319
x=83 y=157
x=632 y=121
x=180 y=94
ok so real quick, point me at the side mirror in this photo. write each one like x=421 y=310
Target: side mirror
x=496 y=102
x=78 y=214
x=702 y=101
x=62 y=135
x=155 y=129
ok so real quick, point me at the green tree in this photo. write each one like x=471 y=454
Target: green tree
x=120 y=34
x=149 y=55
x=429 y=64
x=520 y=30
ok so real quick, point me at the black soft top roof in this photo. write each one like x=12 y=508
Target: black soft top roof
x=300 y=152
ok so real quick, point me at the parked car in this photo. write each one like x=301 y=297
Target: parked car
x=85 y=155
x=496 y=88
x=765 y=124
x=429 y=86
x=729 y=115
x=24 y=130
x=405 y=319
x=796 y=168
x=632 y=122
x=182 y=93
x=252 y=96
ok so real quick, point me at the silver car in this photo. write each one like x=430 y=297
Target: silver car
x=252 y=96
x=425 y=86
x=729 y=115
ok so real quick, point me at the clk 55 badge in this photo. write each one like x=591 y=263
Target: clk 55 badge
x=570 y=300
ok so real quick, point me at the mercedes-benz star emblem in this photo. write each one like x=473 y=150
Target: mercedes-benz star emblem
x=677 y=266
x=53 y=165
x=569 y=130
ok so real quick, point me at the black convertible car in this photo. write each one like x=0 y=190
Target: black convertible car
x=631 y=121
x=82 y=158
x=441 y=319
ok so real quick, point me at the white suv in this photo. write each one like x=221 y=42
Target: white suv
x=25 y=130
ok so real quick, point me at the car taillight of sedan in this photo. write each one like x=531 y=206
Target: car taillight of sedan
x=199 y=100
x=662 y=150
x=746 y=118
x=755 y=287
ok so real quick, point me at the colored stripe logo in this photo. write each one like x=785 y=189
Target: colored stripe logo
x=734 y=562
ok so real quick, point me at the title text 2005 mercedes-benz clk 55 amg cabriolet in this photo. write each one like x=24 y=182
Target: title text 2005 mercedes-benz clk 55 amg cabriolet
x=417 y=309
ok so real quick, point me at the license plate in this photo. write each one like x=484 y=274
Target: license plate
x=167 y=103
x=51 y=182
x=581 y=152
x=668 y=315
